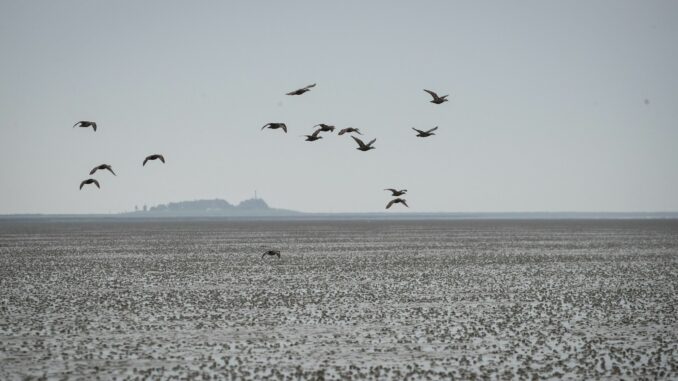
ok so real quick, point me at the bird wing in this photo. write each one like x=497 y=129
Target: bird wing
x=360 y=142
x=300 y=91
x=162 y=158
x=82 y=184
x=390 y=189
x=419 y=131
x=111 y=169
x=266 y=125
x=96 y=183
x=284 y=127
x=389 y=204
x=433 y=94
x=263 y=255
x=94 y=126
x=372 y=142
x=316 y=132
x=145 y=160
x=77 y=123
x=432 y=129
x=404 y=203
x=93 y=170
x=357 y=131
x=341 y=132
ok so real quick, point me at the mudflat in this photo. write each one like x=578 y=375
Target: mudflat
x=585 y=299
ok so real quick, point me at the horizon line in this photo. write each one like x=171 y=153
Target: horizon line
x=402 y=214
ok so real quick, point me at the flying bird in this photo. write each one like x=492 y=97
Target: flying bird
x=154 y=157
x=436 y=99
x=301 y=91
x=362 y=146
x=102 y=167
x=314 y=136
x=397 y=201
x=85 y=124
x=272 y=253
x=89 y=181
x=349 y=130
x=396 y=192
x=275 y=126
x=325 y=127
x=424 y=134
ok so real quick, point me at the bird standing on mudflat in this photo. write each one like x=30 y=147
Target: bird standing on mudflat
x=362 y=146
x=272 y=253
x=436 y=99
x=349 y=130
x=397 y=201
x=424 y=134
x=154 y=157
x=102 y=167
x=275 y=126
x=301 y=91
x=85 y=124
x=395 y=192
x=89 y=181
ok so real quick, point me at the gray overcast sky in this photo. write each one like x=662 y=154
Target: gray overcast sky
x=547 y=109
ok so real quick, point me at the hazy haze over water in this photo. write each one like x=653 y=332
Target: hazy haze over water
x=547 y=107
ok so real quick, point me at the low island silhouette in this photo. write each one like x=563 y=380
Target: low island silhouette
x=253 y=207
x=257 y=208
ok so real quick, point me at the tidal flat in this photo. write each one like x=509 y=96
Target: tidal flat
x=464 y=299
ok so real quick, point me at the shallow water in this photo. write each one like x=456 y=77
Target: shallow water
x=358 y=299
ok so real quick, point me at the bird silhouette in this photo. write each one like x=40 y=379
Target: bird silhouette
x=275 y=126
x=314 y=136
x=362 y=146
x=436 y=99
x=89 y=181
x=349 y=130
x=154 y=157
x=325 y=127
x=424 y=134
x=396 y=192
x=301 y=91
x=272 y=253
x=397 y=201
x=102 y=167
x=85 y=124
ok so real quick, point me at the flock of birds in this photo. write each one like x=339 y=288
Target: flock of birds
x=362 y=146
x=322 y=127
x=108 y=167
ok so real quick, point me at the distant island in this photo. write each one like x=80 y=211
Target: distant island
x=257 y=208
x=254 y=207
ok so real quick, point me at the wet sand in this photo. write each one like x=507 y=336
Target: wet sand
x=359 y=299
